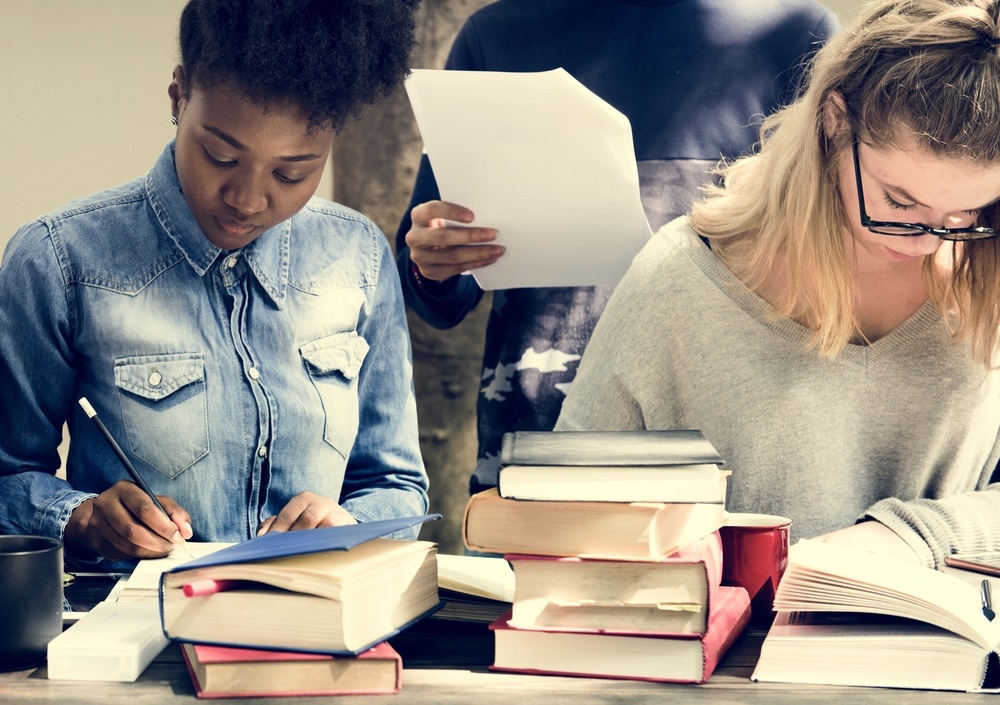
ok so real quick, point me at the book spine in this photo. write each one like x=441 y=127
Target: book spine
x=729 y=616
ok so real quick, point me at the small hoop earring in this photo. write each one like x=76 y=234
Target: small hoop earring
x=173 y=119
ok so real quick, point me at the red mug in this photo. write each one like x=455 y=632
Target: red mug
x=754 y=557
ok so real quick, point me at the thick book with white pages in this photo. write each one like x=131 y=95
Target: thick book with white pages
x=850 y=617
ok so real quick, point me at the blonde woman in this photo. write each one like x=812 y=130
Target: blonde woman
x=829 y=317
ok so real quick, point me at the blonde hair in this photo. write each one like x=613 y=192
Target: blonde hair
x=927 y=69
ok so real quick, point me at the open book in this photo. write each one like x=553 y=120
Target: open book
x=336 y=590
x=847 y=617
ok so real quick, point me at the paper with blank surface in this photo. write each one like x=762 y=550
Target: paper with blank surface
x=543 y=160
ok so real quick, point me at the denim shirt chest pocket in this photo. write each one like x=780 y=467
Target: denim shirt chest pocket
x=334 y=363
x=165 y=409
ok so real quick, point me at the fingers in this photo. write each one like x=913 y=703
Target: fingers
x=265 y=525
x=423 y=213
x=123 y=522
x=178 y=515
x=441 y=247
x=307 y=510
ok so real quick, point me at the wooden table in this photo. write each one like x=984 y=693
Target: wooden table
x=433 y=676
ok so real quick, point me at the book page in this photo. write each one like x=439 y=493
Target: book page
x=144 y=582
x=482 y=576
x=826 y=577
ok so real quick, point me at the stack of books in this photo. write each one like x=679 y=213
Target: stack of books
x=300 y=612
x=613 y=539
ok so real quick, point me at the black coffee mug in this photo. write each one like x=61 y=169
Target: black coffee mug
x=31 y=599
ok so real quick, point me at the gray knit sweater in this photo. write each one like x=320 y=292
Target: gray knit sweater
x=904 y=431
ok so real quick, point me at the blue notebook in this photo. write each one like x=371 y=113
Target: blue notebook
x=297 y=543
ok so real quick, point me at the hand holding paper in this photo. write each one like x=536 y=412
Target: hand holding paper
x=543 y=161
x=441 y=246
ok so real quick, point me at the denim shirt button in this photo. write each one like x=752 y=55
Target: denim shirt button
x=155 y=378
x=262 y=452
x=253 y=372
x=231 y=262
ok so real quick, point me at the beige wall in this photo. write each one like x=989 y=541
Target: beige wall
x=84 y=96
x=84 y=89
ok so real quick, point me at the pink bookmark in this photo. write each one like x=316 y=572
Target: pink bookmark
x=207 y=586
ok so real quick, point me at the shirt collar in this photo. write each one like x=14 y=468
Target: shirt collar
x=267 y=256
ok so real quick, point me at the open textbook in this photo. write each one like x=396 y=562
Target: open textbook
x=335 y=589
x=542 y=159
x=848 y=617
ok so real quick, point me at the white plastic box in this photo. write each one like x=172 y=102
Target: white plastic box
x=115 y=641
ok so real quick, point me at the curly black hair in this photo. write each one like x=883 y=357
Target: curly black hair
x=332 y=58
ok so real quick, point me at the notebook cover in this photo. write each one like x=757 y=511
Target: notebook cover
x=297 y=543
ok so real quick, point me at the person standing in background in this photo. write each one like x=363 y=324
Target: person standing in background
x=694 y=77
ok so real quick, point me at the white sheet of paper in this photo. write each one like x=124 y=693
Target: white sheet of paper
x=542 y=159
x=144 y=583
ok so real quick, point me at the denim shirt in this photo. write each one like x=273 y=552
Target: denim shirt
x=233 y=380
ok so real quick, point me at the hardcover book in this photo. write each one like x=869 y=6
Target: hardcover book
x=638 y=530
x=849 y=617
x=672 y=595
x=611 y=466
x=675 y=484
x=666 y=657
x=608 y=448
x=333 y=590
x=225 y=672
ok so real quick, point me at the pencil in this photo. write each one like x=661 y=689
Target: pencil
x=987 y=598
x=133 y=473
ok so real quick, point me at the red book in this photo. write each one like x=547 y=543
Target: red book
x=671 y=595
x=226 y=672
x=678 y=658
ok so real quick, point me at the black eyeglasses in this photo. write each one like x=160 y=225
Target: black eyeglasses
x=888 y=227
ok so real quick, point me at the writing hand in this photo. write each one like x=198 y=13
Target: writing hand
x=441 y=250
x=307 y=510
x=123 y=522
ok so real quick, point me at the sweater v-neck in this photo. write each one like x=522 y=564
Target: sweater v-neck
x=854 y=354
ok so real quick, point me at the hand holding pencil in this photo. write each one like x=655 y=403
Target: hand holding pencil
x=127 y=520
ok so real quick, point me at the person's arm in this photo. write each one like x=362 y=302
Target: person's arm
x=440 y=300
x=385 y=475
x=934 y=528
x=38 y=391
x=37 y=385
x=927 y=530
